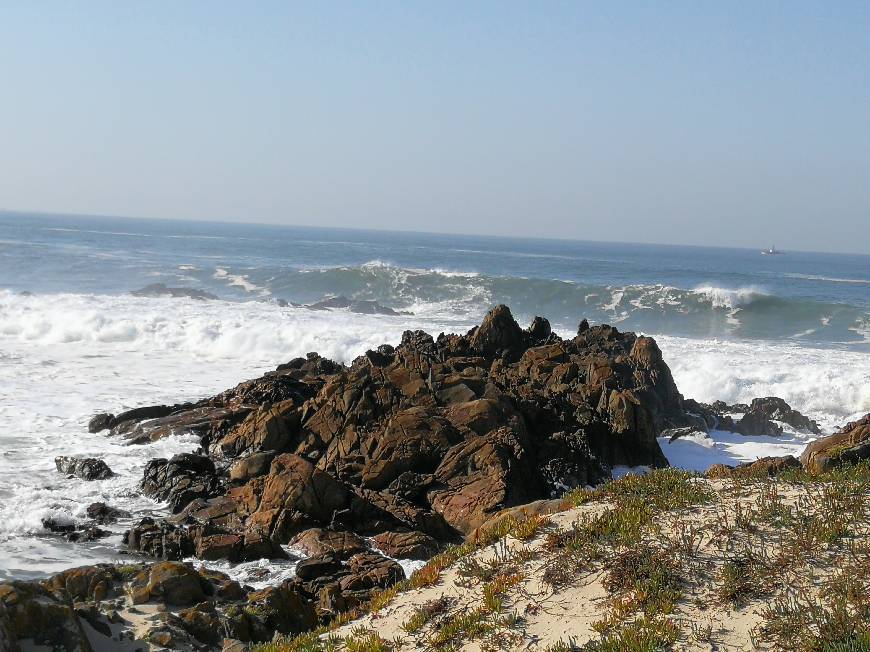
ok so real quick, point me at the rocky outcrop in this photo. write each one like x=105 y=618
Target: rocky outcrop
x=406 y=449
x=758 y=418
x=848 y=446
x=429 y=439
x=107 y=607
x=87 y=468
x=776 y=409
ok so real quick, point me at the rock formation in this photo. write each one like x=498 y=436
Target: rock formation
x=848 y=446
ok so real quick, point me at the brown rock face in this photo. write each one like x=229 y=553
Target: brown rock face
x=849 y=446
x=406 y=545
x=174 y=583
x=765 y=466
x=498 y=332
x=415 y=445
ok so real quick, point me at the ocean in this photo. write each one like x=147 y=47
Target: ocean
x=733 y=325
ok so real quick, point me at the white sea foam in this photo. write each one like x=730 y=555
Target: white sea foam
x=238 y=280
x=830 y=279
x=730 y=299
x=830 y=385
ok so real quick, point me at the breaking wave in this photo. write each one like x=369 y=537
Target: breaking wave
x=707 y=310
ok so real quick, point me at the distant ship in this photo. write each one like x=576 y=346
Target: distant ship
x=773 y=251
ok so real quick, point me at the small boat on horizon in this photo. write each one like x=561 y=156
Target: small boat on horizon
x=773 y=251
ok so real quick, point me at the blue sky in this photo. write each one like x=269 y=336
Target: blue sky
x=679 y=122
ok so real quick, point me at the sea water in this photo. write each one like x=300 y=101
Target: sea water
x=733 y=325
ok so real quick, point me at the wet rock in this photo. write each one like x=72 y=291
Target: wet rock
x=86 y=533
x=102 y=421
x=103 y=514
x=323 y=565
x=161 y=290
x=181 y=479
x=365 y=307
x=776 y=409
x=679 y=433
x=850 y=445
x=56 y=525
x=87 y=468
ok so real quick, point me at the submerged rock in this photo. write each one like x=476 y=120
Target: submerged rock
x=362 y=306
x=161 y=290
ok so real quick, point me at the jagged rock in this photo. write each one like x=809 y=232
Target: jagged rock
x=497 y=332
x=776 y=409
x=87 y=468
x=432 y=436
x=180 y=480
x=850 y=445
x=207 y=422
x=269 y=428
x=413 y=441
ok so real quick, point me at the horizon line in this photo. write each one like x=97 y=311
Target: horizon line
x=14 y=211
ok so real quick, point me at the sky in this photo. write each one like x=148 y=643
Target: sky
x=720 y=123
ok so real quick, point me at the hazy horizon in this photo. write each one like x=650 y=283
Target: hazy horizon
x=716 y=125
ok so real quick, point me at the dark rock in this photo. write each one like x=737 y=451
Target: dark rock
x=53 y=525
x=776 y=409
x=850 y=445
x=87 y=468
x=161 y=290
x=102 y=421
x=318 y=566
x=365 y=307
x=497 y=332
x=103 y=514
x=180 y=480
x=754 y=423
x=86 y=533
